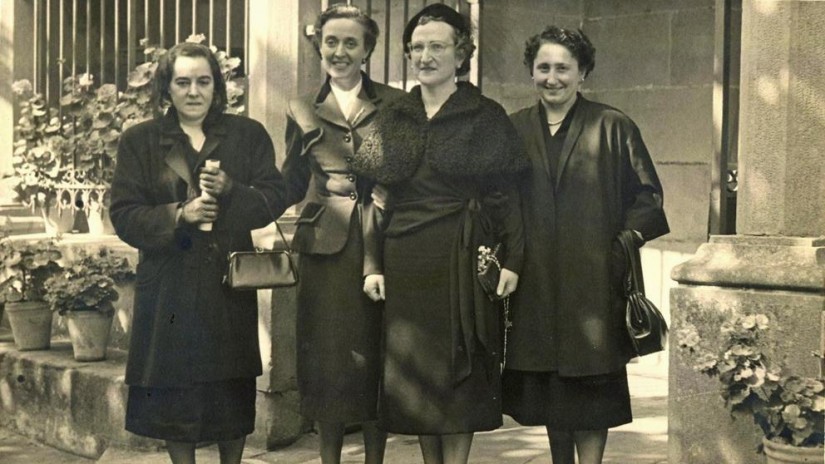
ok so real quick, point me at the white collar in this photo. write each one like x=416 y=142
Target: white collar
x=346 y=98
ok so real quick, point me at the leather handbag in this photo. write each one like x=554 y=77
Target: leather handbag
x=262 y=269
x=646 y=326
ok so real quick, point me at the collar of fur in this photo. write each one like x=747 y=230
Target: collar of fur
x=471 y=135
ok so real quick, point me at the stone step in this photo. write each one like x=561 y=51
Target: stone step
x=74 y=406
x=17 y=219
x=22 y=225
x=13 y=208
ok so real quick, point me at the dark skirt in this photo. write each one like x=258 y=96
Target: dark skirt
x=567 y=403
x=418 y=395
x=338 y=336
x=214 y=411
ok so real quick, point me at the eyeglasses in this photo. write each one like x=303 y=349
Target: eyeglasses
x=435 y=48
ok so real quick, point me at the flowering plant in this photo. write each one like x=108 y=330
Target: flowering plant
x=788 y=408
x=25 y=267
x=78 y=145
x=88 y=284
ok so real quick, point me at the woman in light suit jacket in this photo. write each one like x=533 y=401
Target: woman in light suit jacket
x=592 y=177
x=339 y=328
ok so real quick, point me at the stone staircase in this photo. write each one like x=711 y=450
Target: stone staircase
x=74 y=406
x=16 y=219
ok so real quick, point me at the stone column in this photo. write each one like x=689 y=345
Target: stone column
x=7 y=99
x=280 y=66
x=776 y=263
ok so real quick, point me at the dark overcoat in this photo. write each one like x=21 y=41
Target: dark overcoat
x=187 y=326
x=320 y=141
x=452 y=187
x=568 y=309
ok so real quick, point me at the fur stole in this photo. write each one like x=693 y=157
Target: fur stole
x=470 y=136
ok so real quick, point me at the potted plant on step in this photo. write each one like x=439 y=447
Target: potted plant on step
x=789 y=409
x=83 y=294
x=25 y=267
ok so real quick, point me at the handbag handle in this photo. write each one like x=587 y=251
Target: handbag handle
x=634 y=286
x=275 y=220
x=633 y=281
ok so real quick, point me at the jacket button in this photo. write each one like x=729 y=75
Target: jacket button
x=351 y=178
x=347 y=138
x=353 y=196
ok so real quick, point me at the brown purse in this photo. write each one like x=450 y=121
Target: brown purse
x=262 y=269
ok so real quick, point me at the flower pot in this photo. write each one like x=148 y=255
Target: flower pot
x=89 y=333
x=31 y=324
x=780 y=453
x=56 y=220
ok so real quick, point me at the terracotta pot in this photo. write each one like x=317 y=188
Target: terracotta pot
x=779 y=453
x=89 y=333
x=31 y=324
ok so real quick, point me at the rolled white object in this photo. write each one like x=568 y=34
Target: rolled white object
x=210 y=163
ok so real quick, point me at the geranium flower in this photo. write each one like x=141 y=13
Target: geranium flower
x=22 y=87
x=196 y=38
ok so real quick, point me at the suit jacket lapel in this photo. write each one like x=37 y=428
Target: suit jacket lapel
x=573 y=133
x=214 y=137
x=172 y=139
x=368 y=106
x=330 y=111
x=537 y=138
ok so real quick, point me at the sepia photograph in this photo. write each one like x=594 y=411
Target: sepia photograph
x=412 y=231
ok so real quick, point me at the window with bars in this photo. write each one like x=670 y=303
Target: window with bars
x=103 y=37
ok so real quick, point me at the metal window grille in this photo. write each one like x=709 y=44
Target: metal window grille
x=102 y=37
x=387 y=64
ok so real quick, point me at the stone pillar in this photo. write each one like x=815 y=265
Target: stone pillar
x=281 y=66
x=7 y=99
x=776 y=263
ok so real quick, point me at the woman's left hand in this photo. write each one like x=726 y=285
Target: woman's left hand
x=507 y=283
x=215 y=181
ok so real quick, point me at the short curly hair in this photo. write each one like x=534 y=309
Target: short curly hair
x=461 y=25
x=573 y=40
x=166 y=68
x=344 y=11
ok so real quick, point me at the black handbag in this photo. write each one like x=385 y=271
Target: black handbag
x=646 y=326
x=262 y=269
x=488 y=268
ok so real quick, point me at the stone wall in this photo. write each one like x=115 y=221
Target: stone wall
x=654 y=61
x=776 y=263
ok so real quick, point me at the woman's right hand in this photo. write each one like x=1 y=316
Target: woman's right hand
x=374 y=286
x=200 y=209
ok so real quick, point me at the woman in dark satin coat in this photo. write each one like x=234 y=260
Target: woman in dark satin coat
x=339 y=328
x=193 y=354
x=592 y=177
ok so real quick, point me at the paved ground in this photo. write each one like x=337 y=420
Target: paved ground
x=642 y=442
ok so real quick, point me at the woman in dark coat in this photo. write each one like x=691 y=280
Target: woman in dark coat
x=592 y=177
x=194 y=353
x=448 y=157
x=339 y=328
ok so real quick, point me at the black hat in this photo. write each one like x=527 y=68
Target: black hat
x=441 y=11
